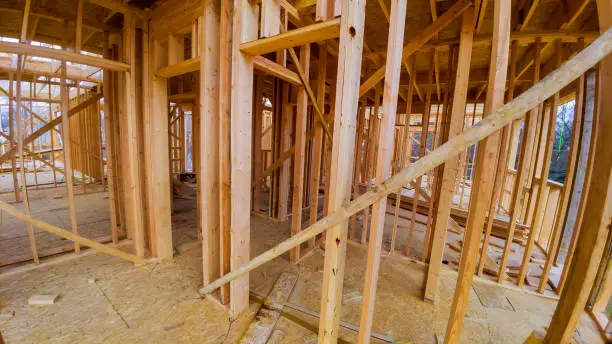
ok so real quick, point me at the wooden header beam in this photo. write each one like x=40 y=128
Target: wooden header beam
x=304 y=35
x=183 y=67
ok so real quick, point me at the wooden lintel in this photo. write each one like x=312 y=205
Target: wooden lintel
x=304 y=35
x=183 y=67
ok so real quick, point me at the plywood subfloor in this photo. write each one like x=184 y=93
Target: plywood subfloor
x=160 y=303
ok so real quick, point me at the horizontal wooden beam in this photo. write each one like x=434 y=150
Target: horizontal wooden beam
x=121 y=7
x=183 y=67
x=308 y=34
x=272 y=68
x=62 y=55
x=505 y=115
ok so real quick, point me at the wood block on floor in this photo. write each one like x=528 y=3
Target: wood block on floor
x=42 y=299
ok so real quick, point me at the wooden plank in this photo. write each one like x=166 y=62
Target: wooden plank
x=501 y=169
x=595 y=226
x=270 y=18
x=511 y=111
x=159 y=158
x=62 y=55
x=317 y=145
x=209 y=149
x=293 y=38
x=486 y=156
x=450 y=167
x=180 y=68
x=121 y=7
x=522 y=176
x=299 y=158
x=65 y=95
x=383 y=163
x=443 y=21
x=345 y=108
x=270 y=67
x=134 y=193
x=583 y=173
x=69 y=235
x=109 y=117
x=20 y=147
x=241 y=112
x=225 y=67
x=78 y=38
x=540 y=207
x=568 y=183
x=24 y=22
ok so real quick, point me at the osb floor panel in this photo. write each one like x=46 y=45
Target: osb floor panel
x=159 y=303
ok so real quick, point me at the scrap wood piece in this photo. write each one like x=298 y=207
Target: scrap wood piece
x=492 y=297
x=43 y=299
x=265 y=321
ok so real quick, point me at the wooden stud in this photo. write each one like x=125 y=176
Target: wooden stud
x=244 y=29
x=209 y=46
x=345 y=108
x=521 y=177
x=300 y=152
x=449 y=169
x=383 y=163
x=65 y=96
x=317 y=146
x=597 y=220
x=543 y=188
x=482 y=187
x=134 y=192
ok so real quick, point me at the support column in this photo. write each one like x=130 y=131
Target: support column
x=244 y=29
x=450 y=167
x=383 y=163
x=209 y=139
x=346 y=101
x=482 y=186
x=134 y=190
x=299 y=157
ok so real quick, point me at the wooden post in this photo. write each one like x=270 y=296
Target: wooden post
x=20 y=150
x=317 y=146
x=540 y=206
x=257 y=133
x=568 y=183
x=160 y=185
x=300 y=152
x=109 y=117
x=422 y=150
x=134 y=192
x=597 y=220
x=347 y=94
x=449 y=169
x=244 y=29
x=482 y=186
x=208 y=49
x=284 y=177
x=583 y=173
x=225 y=67
x=522 y=175
x=12 y=119
x=383 y=163
x=67 y=145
